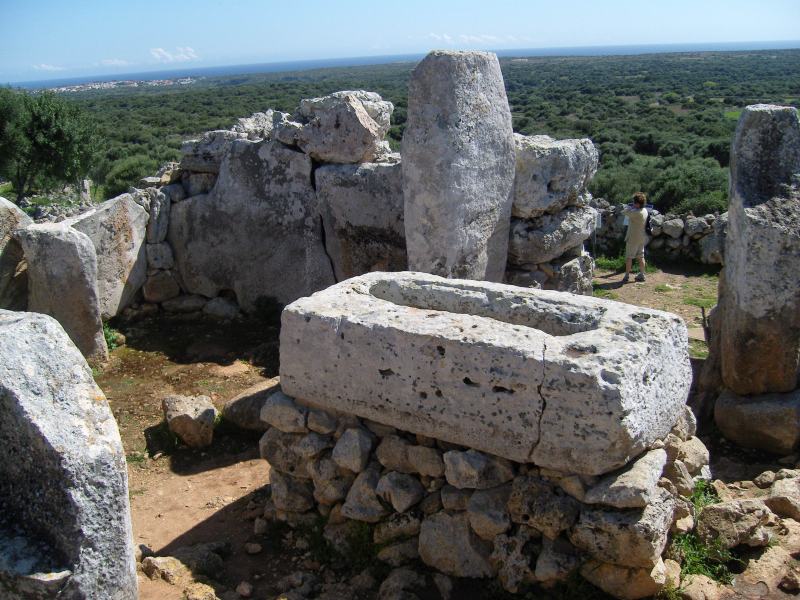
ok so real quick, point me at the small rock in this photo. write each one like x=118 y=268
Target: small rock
x=700 y=587
x=694 y=454
x=400 y=584
x=538 y=504
x=191 y=418
x=487 y=511
x=784 y=498
x=402 y=491
x=291 y=494
x=400 y=553
x=397 y=526
x=765 y=479
x=634 y=487
x=221 y=308
x=425 y=460
x=686 y=425
x=392 y=453
x=475 y=470
x=244 y=589
x=735 y=522
x=252 y=548
x=168 y=568
x=362 y=503
x=512 y=563
x=625 y=583
x=280 y=411
x=321 y=422
x=454 y=499
x=672 y=572
x=444 y=584
x=199 y=591
x=447 y=544
x=352 y=449
x=557 y=561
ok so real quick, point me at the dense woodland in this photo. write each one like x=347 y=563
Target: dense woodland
x=663 y=123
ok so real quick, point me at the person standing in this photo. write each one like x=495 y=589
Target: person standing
x=635 y=237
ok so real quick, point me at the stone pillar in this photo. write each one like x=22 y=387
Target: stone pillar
x=458 y=166
x=62 y=283
x=760 y=293
x=13 y=271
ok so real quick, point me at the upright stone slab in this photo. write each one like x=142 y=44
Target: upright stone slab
x=760 y=295
x=572 y=383
x=362 y=214
x=117 y=229
x=458 y=166
x=62 y=283
x=13 y=270
x=65 y=526
x=257 y=233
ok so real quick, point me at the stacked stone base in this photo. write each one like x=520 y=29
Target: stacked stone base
x=466 y=513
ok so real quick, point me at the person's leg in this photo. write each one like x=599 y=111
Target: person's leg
x=640 y=276
x=628 y=265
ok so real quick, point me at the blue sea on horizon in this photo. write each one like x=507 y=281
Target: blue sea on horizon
x=305 y=65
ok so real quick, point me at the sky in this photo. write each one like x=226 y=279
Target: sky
x=49 y=39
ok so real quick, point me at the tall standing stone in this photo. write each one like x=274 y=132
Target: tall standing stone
x=13 y=272
x=760 y=293
x=62 y=283
x=65 y=525
x=458 y=166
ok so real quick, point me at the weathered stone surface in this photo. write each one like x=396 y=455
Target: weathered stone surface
x=686 y=425
x=487 y=512
x=694 y=454
x=734 y=522
x=474 y=470
x=549 y=236
x=625 y=583
x=700 y=587
x=160 y=287
x=158 y=224
x=198 y=183
x=784 y=498
x=321 y=422
x=673 y=228
x=550 y=174
x=61 y=446
x=571 y=383
x=400 y=583
x=392 y=453
x=257 y=126
x=377 y=108
x=221 y=308
x=447 y=544
x=760 y=293
x=191 y=418
x=205 y=154
x=362 y=502
x=352 y=449
x=13 y=270
x=557 y=561
x=62 y=283
x=331 y=482
x=454 y=498
x=400 y=490
x=290 y=493
x=399 y=553
x=539 y=504
x=279 y=450
x=425 y=461
x=573 y=276
x=511 y=561
x=159 y=256
x=397 y=526
x=634 y=487
x=630 y=538
x=280 y=411
x=712 y=246
x=458 y=166
x=244 y=410
x=264 y=193
x=184 y=304
x=117 y=230
x=340 y=130
x=769 y=422
x=362 y=215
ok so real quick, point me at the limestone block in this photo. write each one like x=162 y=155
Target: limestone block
x=362 y=215
x=634 y=487
x=280 y=450
x=547 y=237
x=377 y=108
x=62 y=283
x=487 y=511
x=511 y=561
x=290 y=493
x=244 y=409
x=221 y=308
x=539 y=504
x=625 y=583
x=191 y=418
x=447 y=544
x=400 y=490
x=712 y=246
x=760 y=293
x=557 y=561
x=331 y=482
x=263 y=194
x=340 y=131
x=398 y=526
x=62 y=448
x=362 y=503
x=474 y=470
x=185 y=304
x=673 y=228
x=13 y=270
x=734 y=522
x=158 y=223
x=161 y=286
x=572 y=383
x=159 y=256
x=257 y=126
x=280 y=411
x=117 y=229
x=352 y=449
x=768 y=422
x=205 y=155
x=629 y=538
x=550 y=174
x=458 y=166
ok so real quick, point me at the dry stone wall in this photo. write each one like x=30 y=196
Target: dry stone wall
x=473 y=441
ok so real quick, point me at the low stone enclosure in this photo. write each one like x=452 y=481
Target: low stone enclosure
x=483 y=428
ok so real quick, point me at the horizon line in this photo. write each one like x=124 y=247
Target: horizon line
x=503 y=52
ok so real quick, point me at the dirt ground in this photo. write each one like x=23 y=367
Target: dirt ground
x=181 y=496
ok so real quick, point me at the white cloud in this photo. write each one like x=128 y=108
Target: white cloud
x=181 y=54
x=477 y=39
x=46 y=67
x=114 y=62
x=442 y=37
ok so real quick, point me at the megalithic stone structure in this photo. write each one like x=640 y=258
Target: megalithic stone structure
x=760 y=293
x=458 y=166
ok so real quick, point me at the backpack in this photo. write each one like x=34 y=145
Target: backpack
x=647 y=229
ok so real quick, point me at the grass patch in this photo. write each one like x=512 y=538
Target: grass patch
x=599 y=292
x=733 y=115
x=617 y=264
x=703 y=495
x=113 y=337
x=136 y=458
x=7 y=190
x=663 y=288
x=698 y=349
x=699 y=558
x=700 y=302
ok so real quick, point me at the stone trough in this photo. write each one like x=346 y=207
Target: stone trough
x=567 y=382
